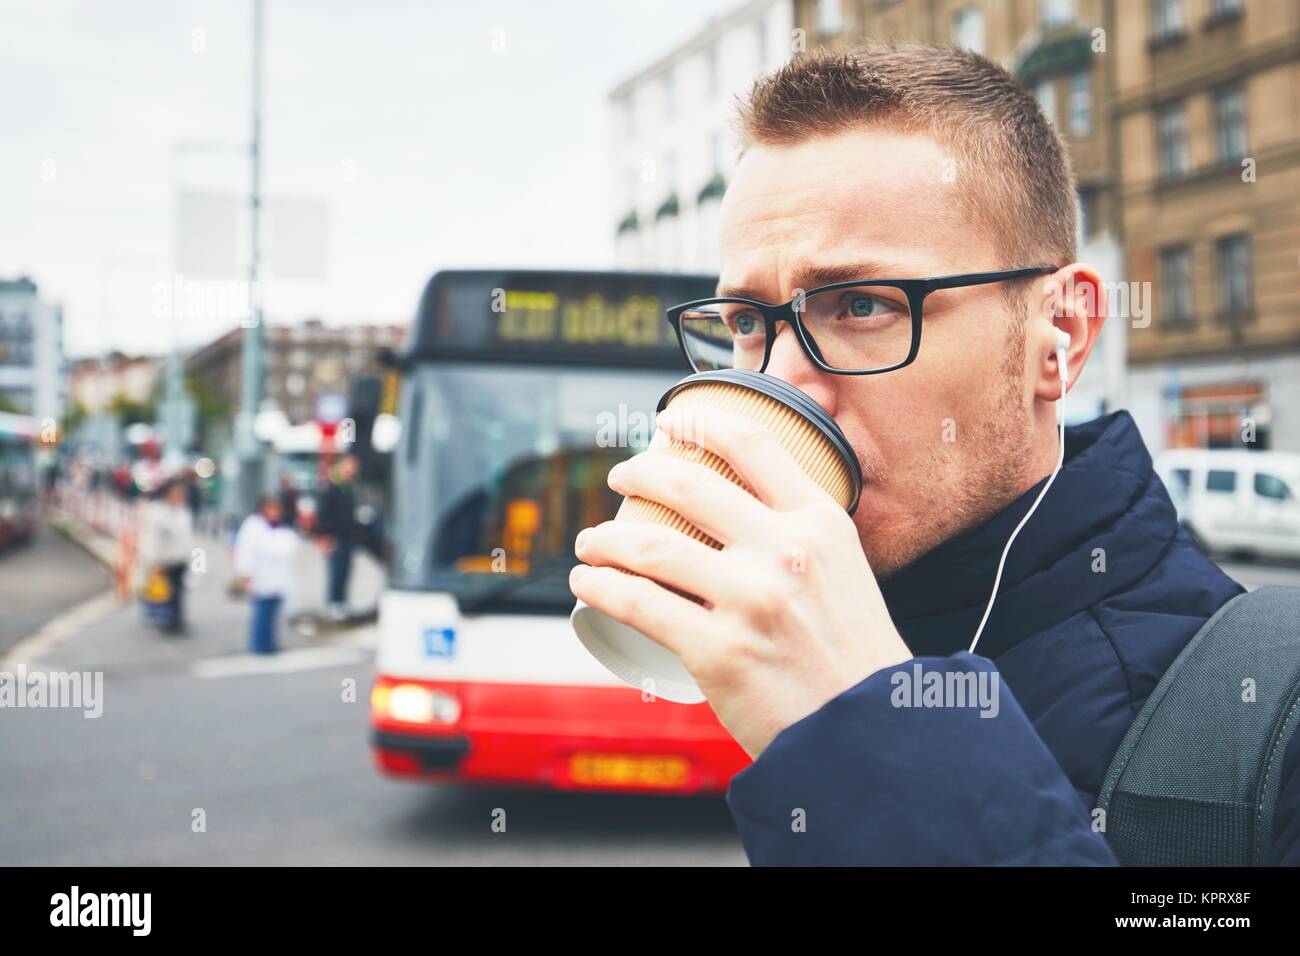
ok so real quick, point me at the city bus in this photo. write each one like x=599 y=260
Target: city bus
x=19 y=494
x=520 y=390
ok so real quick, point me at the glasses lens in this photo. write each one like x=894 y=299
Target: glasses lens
x=720 y=335
x=860 y=328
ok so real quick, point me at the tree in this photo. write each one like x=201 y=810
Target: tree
x=129 y=411
x=73 y=417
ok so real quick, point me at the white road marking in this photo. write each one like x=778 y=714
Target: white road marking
x=58 y=630
x=349 y=650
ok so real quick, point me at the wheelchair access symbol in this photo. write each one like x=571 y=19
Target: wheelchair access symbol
x=440 y=642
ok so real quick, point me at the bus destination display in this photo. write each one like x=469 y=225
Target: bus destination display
x=554 y=315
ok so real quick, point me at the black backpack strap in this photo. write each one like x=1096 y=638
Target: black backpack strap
x=1196 y=780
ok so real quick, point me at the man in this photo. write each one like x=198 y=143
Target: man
x=907 y=163
x=335 y=530
x=288 y=500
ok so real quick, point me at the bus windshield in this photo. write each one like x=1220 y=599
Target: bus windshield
x=501 y=465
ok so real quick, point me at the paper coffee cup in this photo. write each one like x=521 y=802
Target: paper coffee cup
x=802 y=427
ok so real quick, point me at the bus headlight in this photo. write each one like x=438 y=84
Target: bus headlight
x=413 y=704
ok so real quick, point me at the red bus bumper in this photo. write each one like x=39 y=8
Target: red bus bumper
x=563 y=737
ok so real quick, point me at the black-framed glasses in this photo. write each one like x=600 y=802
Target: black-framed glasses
x=848 y=328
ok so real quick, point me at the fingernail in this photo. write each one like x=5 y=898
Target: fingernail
x=582 y=536
x=576 y=574
x=614 y=472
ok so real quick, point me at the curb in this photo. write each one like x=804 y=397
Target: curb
x=93 y=543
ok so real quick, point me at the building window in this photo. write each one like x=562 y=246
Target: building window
x=1087 y=212
x=1176 y=285
x=968 y=29
x=1230 y=122
x=1081 y=103
x=1045 y=92
x=1171 y=139
x=1232 y=260
x=1053 y=13
x=1166 y=19
x=830 y=17
x=1223 y=9
x=711 y=71
x=627 y=110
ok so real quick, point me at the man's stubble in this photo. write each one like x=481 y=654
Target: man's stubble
x=963 y=482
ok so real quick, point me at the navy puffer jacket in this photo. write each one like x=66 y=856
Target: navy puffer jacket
x=1101 y=591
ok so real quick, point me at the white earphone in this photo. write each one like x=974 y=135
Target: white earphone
x=1062 y=354
x=1062 y=350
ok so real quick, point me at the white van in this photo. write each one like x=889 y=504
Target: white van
x=1236 y=501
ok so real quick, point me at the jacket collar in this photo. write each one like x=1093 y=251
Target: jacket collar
x=1101 y=527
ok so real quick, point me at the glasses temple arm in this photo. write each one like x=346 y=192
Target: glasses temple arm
x=984 y=278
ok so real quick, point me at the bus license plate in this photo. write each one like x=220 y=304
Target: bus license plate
x=628 y=770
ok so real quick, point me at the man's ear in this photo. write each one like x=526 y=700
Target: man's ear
x=1073 y=300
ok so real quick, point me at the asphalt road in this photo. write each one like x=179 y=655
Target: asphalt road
x=41 y=580
x=279 y=767
x=276 y=764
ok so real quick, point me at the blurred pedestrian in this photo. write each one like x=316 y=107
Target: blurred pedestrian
x=265 y=549
x=49 y=485
x=193 y=497
x=336 y=531
x=289 y=499
x=121 y=480
x=166 y=543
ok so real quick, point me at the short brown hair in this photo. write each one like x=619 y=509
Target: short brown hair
x=1025 y=199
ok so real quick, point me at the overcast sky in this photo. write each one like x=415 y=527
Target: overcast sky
x=429 y=147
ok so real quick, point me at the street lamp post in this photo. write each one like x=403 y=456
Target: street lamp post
x=246 y=442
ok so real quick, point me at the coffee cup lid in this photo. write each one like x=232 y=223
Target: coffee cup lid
x=788 y=395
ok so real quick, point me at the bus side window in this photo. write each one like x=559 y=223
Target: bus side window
x=1182 y=478
x=1221 y=482
x=413 y=430
x=1270 y=486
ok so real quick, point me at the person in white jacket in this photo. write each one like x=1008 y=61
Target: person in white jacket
x=265 y=549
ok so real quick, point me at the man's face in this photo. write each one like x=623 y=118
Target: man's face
x=944 y=442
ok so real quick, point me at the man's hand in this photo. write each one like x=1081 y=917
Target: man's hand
x=793 y=616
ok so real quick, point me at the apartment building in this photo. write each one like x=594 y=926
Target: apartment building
x=1207 y=105
x=672 y=148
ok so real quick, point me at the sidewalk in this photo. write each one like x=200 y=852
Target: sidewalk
x=217 y=623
